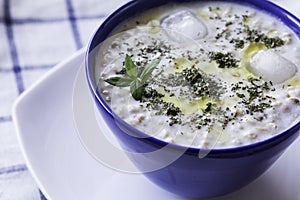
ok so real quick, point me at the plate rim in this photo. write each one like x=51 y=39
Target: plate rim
x=18 y=104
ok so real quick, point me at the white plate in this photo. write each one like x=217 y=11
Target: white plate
x=65 y=170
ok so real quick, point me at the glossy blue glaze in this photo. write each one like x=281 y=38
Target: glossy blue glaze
x=221 y=171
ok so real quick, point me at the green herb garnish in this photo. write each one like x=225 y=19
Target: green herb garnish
x=256 y=36
x=201 y=84
x=132 y=78
x=173 y=110
x=238 y=43
x=252 y=95
x=224 y=60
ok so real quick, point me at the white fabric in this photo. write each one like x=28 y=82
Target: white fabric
x=34 y=36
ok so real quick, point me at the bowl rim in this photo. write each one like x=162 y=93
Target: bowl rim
x=271 y=8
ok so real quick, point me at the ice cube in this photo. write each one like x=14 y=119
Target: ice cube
x=272 y=66
x=184 y=25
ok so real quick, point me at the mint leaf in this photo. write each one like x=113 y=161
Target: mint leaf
x=132 y=79
x=130 y=67
x=148 y=70
x=119 y=81
x=137 y=89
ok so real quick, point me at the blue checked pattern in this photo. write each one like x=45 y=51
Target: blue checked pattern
x=34 y=36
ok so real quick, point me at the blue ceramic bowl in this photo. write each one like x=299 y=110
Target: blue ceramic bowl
x=222 y=170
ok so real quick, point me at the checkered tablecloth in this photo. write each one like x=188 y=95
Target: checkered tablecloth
x=34 y=36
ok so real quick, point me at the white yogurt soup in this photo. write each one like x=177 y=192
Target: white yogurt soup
x=206 y=74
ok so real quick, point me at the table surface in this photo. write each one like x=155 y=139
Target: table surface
x=34 y=36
